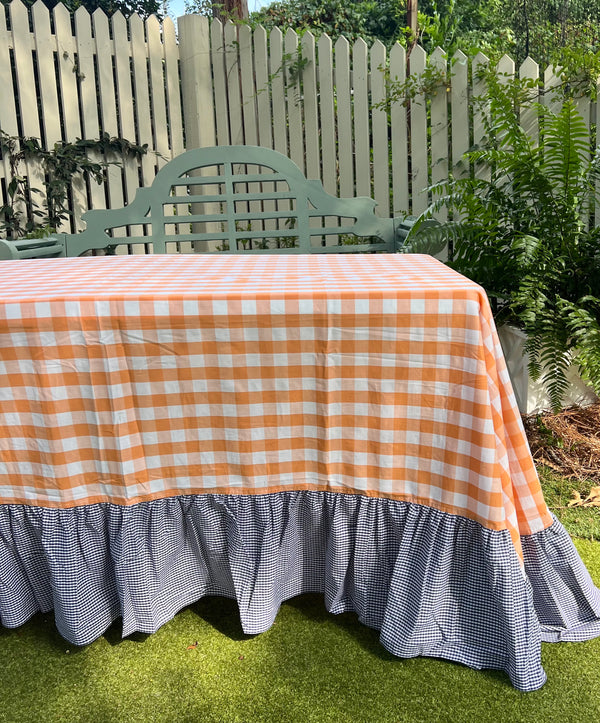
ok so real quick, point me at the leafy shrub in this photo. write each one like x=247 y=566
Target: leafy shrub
x=522 y=226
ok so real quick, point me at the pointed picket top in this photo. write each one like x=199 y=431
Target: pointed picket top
x=81 y=14
x=230 y=27
x=40 y=14
x=17 y=6
x=40 y=6
x=360 y=46
x=418 y=59
x=378 y=47
x=308 y=38
x=276 y=35
x=324 y=42
x=118 y=20
x=291 y=36
x=480 y=59
x=99 y=15
x=60 y=13
x=135 y=21
x=529 y=68
x=342 y=44
x=398 y=55
x=439 y=58
x=18 y=10
x=260 y=32
x=459 y=58
x=505 y=68
x=152 y=22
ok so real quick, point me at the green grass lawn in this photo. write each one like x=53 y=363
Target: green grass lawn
x=310 y=666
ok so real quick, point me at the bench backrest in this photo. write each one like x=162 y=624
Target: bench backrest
x=235 y=199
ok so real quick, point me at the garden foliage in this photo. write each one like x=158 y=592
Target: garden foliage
x=522 y=225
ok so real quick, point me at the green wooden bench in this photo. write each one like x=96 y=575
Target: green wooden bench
x=227 y=199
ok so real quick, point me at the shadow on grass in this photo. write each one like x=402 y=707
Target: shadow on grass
x=222 y=614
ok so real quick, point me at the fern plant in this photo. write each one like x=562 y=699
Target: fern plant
x=522 y=226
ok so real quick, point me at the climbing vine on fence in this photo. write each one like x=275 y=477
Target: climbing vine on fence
x=58 y=167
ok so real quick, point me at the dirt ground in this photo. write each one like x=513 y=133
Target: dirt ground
x=567 y=442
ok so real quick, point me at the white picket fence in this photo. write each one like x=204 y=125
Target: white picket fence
x=67 y=77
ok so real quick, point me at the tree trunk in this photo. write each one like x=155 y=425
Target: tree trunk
x=225 y=9
x=411 y=15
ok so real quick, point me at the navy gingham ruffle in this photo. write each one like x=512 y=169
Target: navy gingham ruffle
x=434 y=584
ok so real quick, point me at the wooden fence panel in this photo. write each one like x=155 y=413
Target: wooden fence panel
x=217 y=83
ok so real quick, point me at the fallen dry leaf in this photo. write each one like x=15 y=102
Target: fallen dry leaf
x=593 y=499
x=576 y=501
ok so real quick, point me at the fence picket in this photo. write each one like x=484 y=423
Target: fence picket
x=87 y=94
x=248 y=91
x=362 y=137
x=399 y=136
x=418 y=137
x=232 y=69
x=379 y=132
x=327 y=115
x=30 y=121
x=311 y=121
x=108 y=110
x=460 y=114
x=68 y=76
x=173 y=97
x=8 y=110
x=479 y=90
x=344 y=117
x=439 y=128
x=218 y=56
x=293 y=99
x=529 y=116
x=45 y=46
x=157 y=89
x=124 y=94
x=263 y=89
x=277 y=91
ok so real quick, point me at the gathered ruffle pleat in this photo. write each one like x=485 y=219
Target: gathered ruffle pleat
x=434 y=584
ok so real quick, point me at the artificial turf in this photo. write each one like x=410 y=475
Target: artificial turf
x=310 y=666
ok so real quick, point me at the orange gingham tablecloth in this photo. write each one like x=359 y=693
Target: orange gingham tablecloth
x=125 y=379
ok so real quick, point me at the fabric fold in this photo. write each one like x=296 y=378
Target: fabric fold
x=433 y=583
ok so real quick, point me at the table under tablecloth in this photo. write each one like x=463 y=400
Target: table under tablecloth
x=263 y=426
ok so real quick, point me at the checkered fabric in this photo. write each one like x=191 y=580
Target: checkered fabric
x=434 y=584
x=126 y=379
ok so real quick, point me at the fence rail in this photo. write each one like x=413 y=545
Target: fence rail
x=64 y=77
